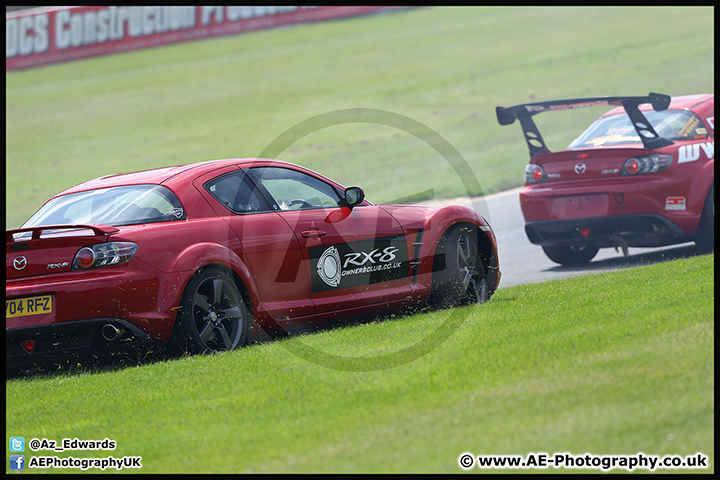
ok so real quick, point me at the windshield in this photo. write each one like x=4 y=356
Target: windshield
x=618 y=130
x=115 y=206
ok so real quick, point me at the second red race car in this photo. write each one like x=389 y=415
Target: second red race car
x=641 y=175
x=195 y=254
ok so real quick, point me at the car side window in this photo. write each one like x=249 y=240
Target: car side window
x=238 y=193
x=293 y=190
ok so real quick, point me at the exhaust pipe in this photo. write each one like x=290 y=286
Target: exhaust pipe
x=620 y=242
x=110 y=332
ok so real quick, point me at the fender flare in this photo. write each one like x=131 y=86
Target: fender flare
x=440 y=220
x=201 y=255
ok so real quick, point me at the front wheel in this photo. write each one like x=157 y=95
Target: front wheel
x=571 y=255
x=463 y=280
x=213 y=315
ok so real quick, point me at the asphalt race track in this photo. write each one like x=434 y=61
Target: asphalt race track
x=522 y=262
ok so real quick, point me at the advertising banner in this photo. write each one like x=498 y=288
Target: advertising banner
x=41 y=36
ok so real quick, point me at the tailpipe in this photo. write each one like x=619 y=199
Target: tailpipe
x=110 y=332
x=620 y=242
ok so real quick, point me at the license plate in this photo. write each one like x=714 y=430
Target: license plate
x=24 y=307
x=579 y=206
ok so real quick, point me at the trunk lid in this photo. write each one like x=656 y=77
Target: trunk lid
x=585 y=164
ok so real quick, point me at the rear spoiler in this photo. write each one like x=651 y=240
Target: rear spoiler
x=36 y=232
x=535 y=142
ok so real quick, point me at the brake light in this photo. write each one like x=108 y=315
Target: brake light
x=104 y=255
x=631 y=167
x=534 y=174
x=85 y=258
x=646 y=164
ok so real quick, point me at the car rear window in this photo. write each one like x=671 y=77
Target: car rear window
x=128 y=205
x=618 y=130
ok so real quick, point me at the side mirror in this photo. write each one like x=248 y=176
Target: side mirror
x=354 y=196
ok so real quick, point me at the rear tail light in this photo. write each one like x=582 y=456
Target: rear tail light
x=646 y=164
x=534 y=174
x=104 y=255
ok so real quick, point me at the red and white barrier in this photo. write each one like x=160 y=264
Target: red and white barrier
x=41 y=36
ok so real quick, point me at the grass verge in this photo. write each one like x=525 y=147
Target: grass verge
x=611 y=363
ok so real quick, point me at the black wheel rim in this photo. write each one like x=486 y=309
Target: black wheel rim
x=218 y=313
x=472 y=274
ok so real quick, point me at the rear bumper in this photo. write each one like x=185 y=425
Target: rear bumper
x=620 y=200
x=139 y=296
x=61 y=341
x=641 y=230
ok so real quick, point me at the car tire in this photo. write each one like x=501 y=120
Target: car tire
x=705 y=235
x=213 y=315
x=460 y=275
x=575 y=255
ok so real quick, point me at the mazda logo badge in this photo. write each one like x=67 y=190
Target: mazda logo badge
x=19 y=263
x=580 y=168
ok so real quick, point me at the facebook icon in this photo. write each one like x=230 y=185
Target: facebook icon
x=17 y=462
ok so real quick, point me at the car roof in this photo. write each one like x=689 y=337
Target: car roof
x=680 y=102
x=159 y=176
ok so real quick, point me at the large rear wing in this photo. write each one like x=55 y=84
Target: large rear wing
x=535 y=142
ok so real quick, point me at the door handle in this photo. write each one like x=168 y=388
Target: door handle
x=313 y=232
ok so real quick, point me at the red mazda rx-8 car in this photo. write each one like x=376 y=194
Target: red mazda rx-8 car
x=641 y=175
x=195 y=254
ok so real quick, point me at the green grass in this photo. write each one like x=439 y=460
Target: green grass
x=445 y=67
x=611 y=363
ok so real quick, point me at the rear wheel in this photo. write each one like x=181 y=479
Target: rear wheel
x=571 y=255
x=705 y=236
x=213 y=315
x=463 y=280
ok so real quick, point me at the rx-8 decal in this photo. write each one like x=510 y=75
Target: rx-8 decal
x=362 y=262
